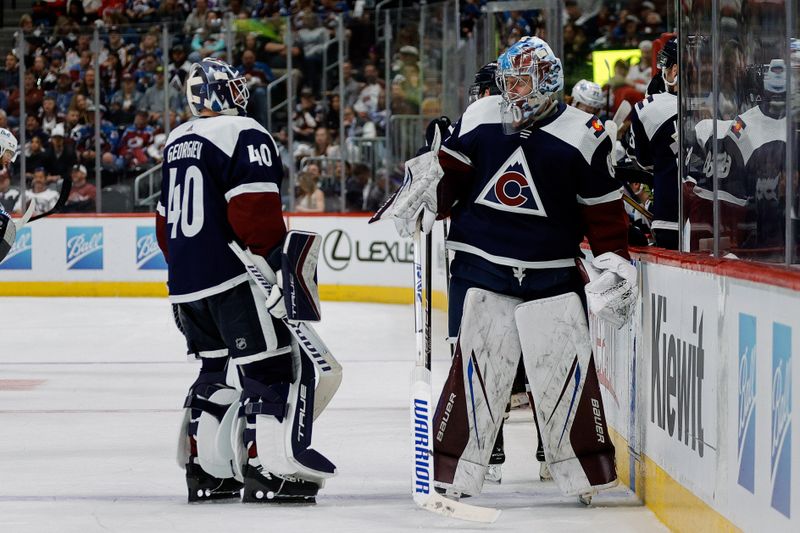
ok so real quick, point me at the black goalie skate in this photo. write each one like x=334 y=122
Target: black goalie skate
x=204 y=487
x=263 y=487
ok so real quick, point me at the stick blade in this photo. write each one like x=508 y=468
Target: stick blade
x=436 y=503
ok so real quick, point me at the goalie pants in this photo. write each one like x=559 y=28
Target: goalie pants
x=469 y=271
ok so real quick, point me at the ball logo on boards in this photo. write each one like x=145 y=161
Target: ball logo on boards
x=781 y=427
x=20 y=256
x=512 y=188
x=84 y=248
x=338 y=250
x=676 y=377
x=148 y=254
x=746 y=428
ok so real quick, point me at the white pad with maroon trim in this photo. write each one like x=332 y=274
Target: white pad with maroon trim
x=476 y=392
x=561 y=371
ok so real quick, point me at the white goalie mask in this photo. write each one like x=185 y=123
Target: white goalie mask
x=529 y=76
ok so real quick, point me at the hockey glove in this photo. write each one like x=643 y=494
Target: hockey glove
x=417 y=196
x=612 y=292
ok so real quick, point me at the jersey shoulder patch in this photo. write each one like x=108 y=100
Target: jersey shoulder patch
x=579 y=129
x=484 y=111
x=753 y=129
x=512 y=188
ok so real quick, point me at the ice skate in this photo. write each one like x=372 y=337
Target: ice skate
x=263 y=487
x=204 y=487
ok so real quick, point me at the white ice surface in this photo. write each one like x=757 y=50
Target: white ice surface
x=92 y=447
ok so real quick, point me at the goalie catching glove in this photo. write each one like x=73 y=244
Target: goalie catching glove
x=612 y=289
x=417 y=196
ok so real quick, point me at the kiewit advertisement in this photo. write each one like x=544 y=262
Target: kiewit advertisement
x=680 y=369
x=762 y=327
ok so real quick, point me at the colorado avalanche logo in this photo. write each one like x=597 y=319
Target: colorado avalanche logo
x=512 y=188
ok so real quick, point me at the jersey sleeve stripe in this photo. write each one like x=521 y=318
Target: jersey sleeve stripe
x=456 y=155
x=250 y=188
x=610 y=197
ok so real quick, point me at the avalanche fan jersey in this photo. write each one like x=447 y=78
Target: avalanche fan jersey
x=756 y=150
x=524 y=203
x=654 y=141
x=208 y=162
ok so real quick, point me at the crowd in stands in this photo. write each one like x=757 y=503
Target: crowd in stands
x=60 y=98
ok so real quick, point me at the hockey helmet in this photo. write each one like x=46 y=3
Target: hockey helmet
x=529 y=76
x=589 y=94
x=667 y=58
x=484 y=79
x=214 y=85
x=8 y=147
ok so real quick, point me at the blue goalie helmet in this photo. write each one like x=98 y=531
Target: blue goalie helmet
x=213 y=84
x=529 y=76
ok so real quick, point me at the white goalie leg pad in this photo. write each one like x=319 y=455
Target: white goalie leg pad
x=283 y=425
x=474 y=398
x=558 y=361
x=214 y=452
x=299 y=275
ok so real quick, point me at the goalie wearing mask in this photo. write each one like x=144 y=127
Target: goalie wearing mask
x=523 y=178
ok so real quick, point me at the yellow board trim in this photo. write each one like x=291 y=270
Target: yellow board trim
x=337 y=293
x=671 y=502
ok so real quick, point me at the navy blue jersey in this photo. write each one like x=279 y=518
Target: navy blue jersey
x=526 y=200
x=209 y=164
x=654 y=145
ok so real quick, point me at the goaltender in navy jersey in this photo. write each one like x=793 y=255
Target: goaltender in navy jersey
x=219 y=174
x=534 y=194
x=654 y=146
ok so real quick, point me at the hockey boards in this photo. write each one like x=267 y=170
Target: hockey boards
x=421 y=403
x=328 y=368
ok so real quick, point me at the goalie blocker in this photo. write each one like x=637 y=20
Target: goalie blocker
x=553 y=338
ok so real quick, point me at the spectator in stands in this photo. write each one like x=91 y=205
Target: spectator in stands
x=33 y=97
x=370 y=93
x=275 y=49
x=139 y=11
x=48 y=115
x=35 y=156
x=305 y=117
x=208 y=41
x=178 y=69
x=44 y=198
x=310 y=198
x=135 y=140
x=197 y=18
x=118 y=46
x=84 y=63
x=9 y=76
x=83 y=194
x=110 y=76
x=72 y=124
x=60 y=157
x=351 y=86
x=330 y=118
x=312 y=38
x=63 y=92
x=33 y=128
x=153 y=99
x=172 y=12
x=145 y=72
x=87 y=87
x=8 y=195
x=355 y=187
x=56 y=67
x=626 y=34
x=39 y=70
x=258 y=76
x=640 y=74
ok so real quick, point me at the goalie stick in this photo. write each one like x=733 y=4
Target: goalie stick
x=328 y=368
x=421 y=402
